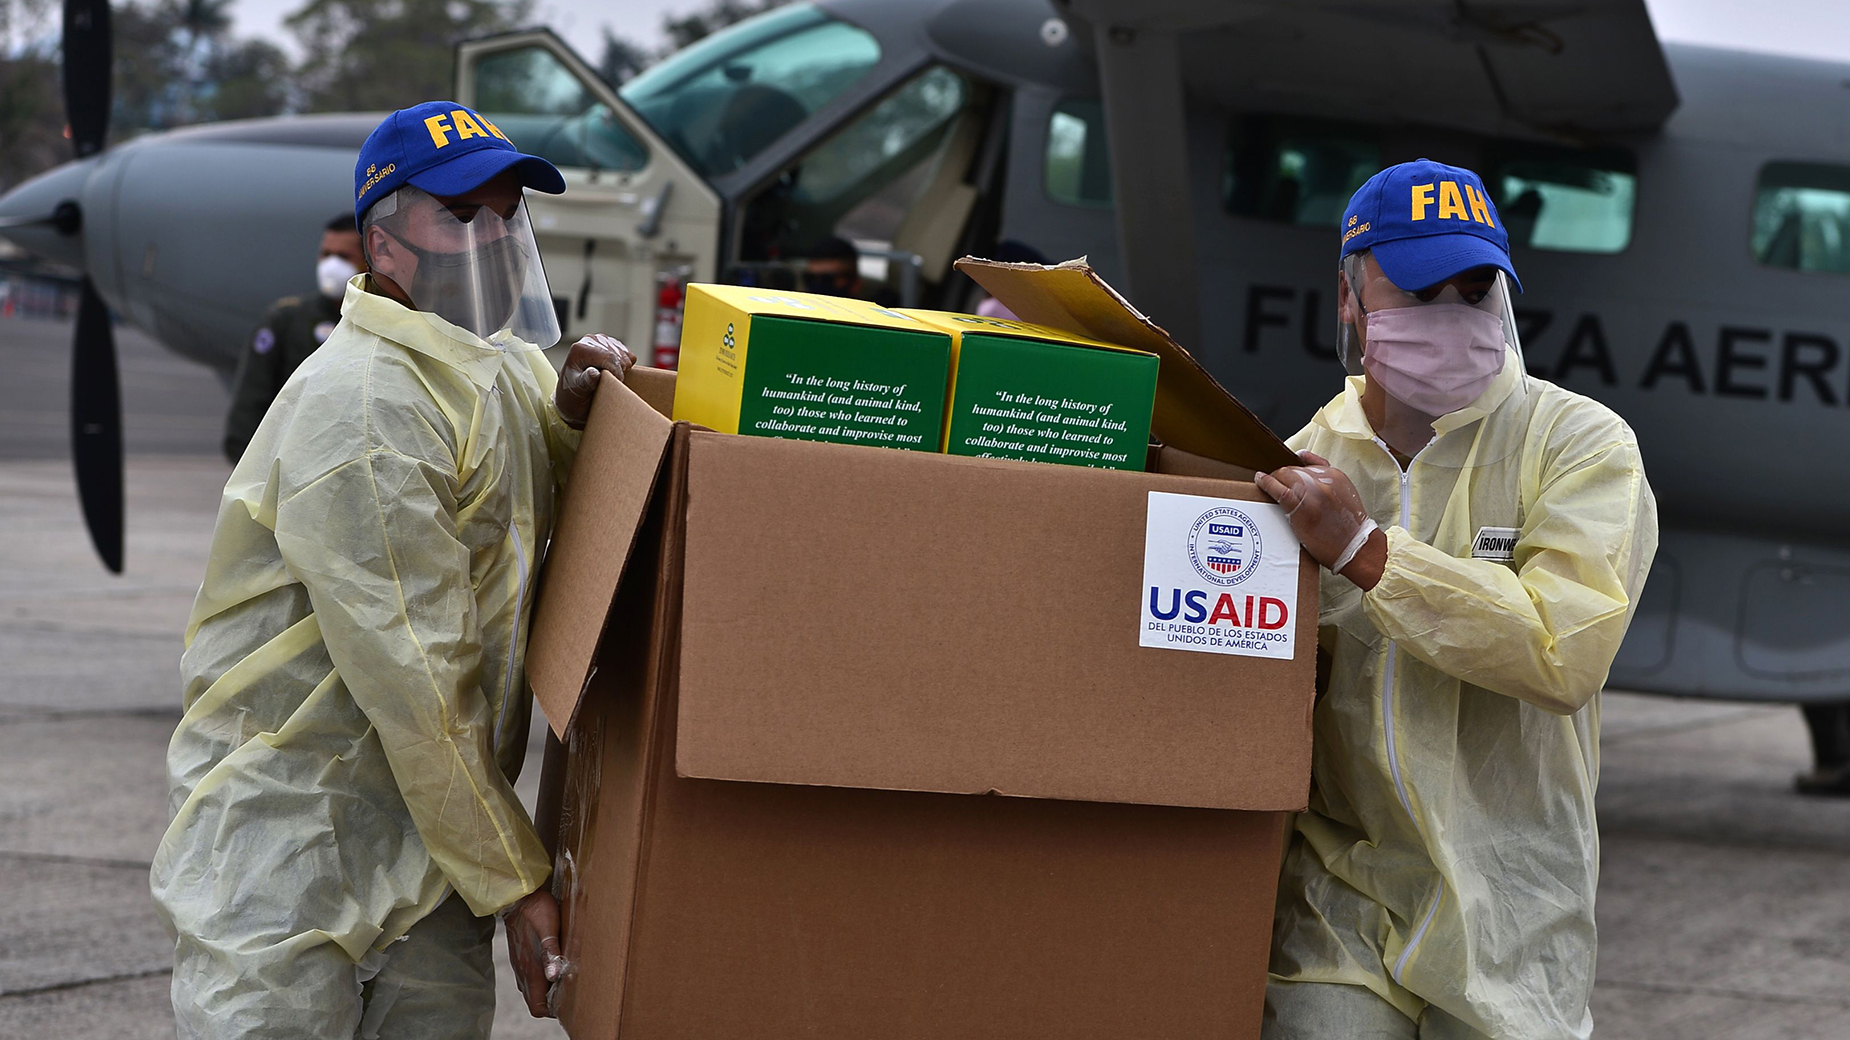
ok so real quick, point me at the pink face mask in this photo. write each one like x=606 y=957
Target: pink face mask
x=1436 y=358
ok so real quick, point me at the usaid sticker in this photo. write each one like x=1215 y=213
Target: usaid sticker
x=1219 y=576
x=1495 y=543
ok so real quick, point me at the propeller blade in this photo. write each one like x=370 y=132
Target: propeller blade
x=86 y=73
x=96 y=392
x=96 y=427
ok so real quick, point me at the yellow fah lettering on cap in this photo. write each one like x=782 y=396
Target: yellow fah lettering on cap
x=1480 y=205
x=1451 y=204
x=436 y=125
x=465 y=127
x=1422 y=198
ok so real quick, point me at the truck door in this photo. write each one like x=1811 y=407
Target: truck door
x=635 y=222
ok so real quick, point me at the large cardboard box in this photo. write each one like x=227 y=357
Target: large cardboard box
x=862 y=743
x=1030 y=392
x=809 y=367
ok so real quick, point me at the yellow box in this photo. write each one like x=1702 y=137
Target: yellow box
x=1041 y=394
x=809 y=367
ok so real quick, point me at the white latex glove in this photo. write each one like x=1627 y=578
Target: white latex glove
x=585 y=364
x=1324 y=508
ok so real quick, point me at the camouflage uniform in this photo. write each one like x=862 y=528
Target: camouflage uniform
x=288 y=334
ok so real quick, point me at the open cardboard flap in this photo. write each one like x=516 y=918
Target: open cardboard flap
x=628 y=433
x=1193 y=411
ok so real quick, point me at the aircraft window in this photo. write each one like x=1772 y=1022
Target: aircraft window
x=863 y=180
x=1802 y=217
x=547 y=111
x=1574 y=202
x=1078 y=163
x=727 y=98
x=908 y=121
x=1296 y=171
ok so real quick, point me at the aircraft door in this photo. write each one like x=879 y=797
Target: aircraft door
x=635 y=222
x=1059 y=197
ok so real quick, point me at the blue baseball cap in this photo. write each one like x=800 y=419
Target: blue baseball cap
x=1425 y=222
x=444 y=149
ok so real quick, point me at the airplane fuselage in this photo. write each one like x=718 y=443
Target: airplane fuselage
x=1734 y=374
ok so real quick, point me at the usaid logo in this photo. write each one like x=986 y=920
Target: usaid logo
x=1223 y=544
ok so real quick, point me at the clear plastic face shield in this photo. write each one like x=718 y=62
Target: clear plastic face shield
x=475 y=268
x=1437 y=358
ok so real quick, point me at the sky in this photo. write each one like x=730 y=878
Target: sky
x=579 y=22
x=1806 y=28
x=1809 y=28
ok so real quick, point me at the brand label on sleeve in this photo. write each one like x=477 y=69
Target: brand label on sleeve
x=1495 y=543
x=1220 y=576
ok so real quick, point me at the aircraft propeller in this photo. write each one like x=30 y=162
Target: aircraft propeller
x=96 y=396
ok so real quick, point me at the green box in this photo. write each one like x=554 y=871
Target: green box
x=807 y=367
x=1021 y=391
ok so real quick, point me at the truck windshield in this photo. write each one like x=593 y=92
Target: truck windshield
x=728 y=97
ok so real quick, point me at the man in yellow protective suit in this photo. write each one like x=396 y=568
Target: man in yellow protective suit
x=1489 y=535
x=344 y=823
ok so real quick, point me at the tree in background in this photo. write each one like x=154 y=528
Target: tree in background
x=201 y=21
x=31 y=115
x=378 y=55
x=178 y=64
x=623 y=57
x=31 y=98
x=250 y=80
x=705 y=21
x=22 y=21
x=225 y=78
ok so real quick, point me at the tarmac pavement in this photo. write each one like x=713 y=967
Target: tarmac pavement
x=1724 y=903
x=90 y=692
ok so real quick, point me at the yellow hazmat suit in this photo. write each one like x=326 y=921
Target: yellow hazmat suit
x=1449 y=856
x=355 y=704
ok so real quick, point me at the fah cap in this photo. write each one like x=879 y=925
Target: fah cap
x=1425 y=222
x=444 y=149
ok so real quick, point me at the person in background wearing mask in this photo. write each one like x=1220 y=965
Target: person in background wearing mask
x=290 y=332
x=344 y=828
x=1488 y=535
x=833 y=268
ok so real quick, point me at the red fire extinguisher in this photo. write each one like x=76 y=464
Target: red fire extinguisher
x=668 y=298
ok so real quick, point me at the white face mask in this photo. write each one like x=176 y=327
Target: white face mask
x=332 y=275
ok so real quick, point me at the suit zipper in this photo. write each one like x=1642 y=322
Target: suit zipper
x=1387 y=718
